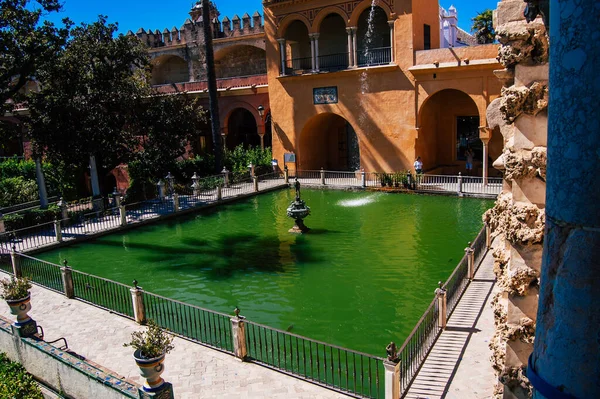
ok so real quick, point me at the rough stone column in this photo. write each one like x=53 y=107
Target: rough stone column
x=137 y=299
x=567 y=344
x=518 y=217
x=41 y=181
x=238 y=328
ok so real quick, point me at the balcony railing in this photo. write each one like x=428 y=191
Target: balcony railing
x=299 y=65
x=333 y=62
x=222 y=84
x=375 y=56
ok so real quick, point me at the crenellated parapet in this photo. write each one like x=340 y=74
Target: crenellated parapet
x=192 y=31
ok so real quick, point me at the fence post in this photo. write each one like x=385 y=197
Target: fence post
x=363 y=179
x=286 y=175
x=64 y=210
x=123 y=214
x=139 y=312
x=442 y=298
x=225 y=176
x=117 y=197
x=470 y=261
x=161 y=190
x=67 y=278
x=460 y=190
x=16 y=263
x=392 y=372
x=2 y=228
x=219 y=193
x=488 y=236
x=57 y=231
x=255 y=181
x=238 y=328
x=176 y=202
x=322 y=176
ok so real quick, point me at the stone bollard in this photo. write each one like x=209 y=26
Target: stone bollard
x=442 y=305
x=160 y=187
x=123 y=214
x=488 y=236
x=139 y=311
x=470 y=262
x=64 y=210
x=67 y=279
x=225 y=177
x=322 y=176
x=195 y=185
x=255 y=181
x=238 y=328
x=2 y=228
x=392 y=372
x=57 y=230
x=460 y=181
x=117 y=197
x=16 y=263
x=363 y=179
x=286 y=175
x=176 y=202
x=219 y=193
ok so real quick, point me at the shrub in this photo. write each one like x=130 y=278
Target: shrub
x=15 y=288
x=15 y=382
x=151 y=343
x=31 y=217
x=17 y=190
x=239 y=159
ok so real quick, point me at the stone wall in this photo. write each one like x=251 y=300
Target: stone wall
x=519 y=214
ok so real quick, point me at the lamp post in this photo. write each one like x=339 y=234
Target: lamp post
x=261 y=128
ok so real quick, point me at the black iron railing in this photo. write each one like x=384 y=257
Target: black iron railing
x=333 y=62
x=340 y=369
x=374 y=56
x=41 y=272
x=300 y=64
x=103 y=293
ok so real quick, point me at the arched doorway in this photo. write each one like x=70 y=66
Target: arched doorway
x=448 y=126
x=328 y=141
x=240 y=60
x=242 y=129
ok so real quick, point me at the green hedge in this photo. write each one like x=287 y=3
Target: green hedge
x=16 y=382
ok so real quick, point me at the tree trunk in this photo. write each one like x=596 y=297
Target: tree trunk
x=212 y=86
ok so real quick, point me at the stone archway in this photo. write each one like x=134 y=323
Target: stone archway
x=448 y=125
x=169 y=69
x=242 y=129
x=328 y=141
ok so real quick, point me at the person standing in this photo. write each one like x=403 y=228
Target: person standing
x=469 y=154
x=418 y=166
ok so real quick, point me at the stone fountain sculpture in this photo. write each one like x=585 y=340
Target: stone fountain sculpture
x=298 y=211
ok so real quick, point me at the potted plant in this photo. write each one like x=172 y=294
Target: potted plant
x=151 y=346
x=16 y=293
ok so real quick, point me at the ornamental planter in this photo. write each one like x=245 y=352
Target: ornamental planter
x=19 y=308
x=150 y=369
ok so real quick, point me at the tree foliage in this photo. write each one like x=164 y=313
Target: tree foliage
x=483 y=27
x=25 y=43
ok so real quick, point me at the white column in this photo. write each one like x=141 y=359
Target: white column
x=41 y=181
x=350 y=48
x=316 y=36
x=312 y=52
x=354 y=46
x=282 y=53
x=391 y=24
x=94 y=177
x=485 y=161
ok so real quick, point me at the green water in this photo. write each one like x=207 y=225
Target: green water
x=361 y=278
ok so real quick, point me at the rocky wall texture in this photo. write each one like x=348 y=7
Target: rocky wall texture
x=518 y=217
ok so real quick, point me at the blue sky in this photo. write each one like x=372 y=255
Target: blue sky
x=153 y=14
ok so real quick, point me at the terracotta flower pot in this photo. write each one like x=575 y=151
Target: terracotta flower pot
x=150 y=369
x=19 y=308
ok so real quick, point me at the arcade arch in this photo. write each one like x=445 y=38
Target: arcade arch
x=242 y=129
x=328 y=141
x=169 y=69
x=448 y=126
x=333 y=43
x=374 y=45
x=240 y=60
x=297 y=47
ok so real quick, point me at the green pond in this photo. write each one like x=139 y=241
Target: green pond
x=361 y=278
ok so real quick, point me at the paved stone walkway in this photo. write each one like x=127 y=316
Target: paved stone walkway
x=459 y=366
x=194 y=370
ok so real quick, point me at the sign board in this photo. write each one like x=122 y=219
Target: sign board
x=289 y=158
x=325 y=95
